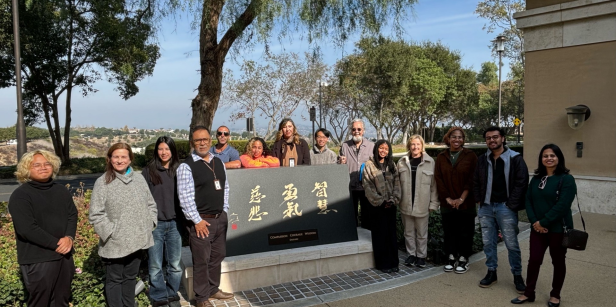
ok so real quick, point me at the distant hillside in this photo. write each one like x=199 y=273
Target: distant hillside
x=79 y=149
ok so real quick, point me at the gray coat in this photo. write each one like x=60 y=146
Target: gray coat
x=123 y=214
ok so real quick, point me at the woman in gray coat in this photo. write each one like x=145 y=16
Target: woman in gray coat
x=419 y=198
x=123 y=213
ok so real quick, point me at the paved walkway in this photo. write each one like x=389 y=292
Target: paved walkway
x=591 y=281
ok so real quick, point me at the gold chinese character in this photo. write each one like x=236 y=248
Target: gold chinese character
x=255 y=195
x=321 y=189
x=291 y=210
x=290 y=193
x=255 y=215
x=322 y=205
x=233 y=218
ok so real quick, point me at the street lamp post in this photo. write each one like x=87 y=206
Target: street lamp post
x=21 y=126
x=500 y=48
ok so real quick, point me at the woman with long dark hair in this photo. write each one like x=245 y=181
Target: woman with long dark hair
x=123 y=213
x=257 y=155
x=289 y=148
x=453 y=173
x=160 y=176
x=548 y=207
x=382 y=186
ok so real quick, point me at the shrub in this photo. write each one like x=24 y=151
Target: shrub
x=88 y=283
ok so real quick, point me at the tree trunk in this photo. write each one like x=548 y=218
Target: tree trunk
x=66 y=159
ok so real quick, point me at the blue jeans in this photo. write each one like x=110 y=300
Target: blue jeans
x=495 y=216
x=167 y=244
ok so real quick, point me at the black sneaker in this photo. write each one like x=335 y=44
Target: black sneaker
x=410 y=260
x=451 y=264
x=462 y=265
x=489 y=280
x=421 y=262
x=518 y=281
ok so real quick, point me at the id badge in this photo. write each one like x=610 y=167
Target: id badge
x=292 y=162
x=217 y=185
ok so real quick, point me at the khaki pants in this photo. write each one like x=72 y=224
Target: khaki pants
x=416 y=234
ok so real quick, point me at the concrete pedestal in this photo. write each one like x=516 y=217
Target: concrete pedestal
x=251 y=271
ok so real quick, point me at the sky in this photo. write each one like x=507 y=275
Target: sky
x=164 y=98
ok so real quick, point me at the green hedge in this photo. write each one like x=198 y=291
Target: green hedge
x=88 y=284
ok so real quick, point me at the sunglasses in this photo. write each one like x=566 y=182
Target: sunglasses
x=219 y=133
x=544 y=180
x=356 y=129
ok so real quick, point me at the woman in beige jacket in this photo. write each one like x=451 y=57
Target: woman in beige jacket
x=419 y=198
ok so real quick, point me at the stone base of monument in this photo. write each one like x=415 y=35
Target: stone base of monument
x=251 y=271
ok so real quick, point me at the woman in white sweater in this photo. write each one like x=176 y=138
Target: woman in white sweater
x=419 y=198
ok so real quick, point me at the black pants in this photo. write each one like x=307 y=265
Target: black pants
x=459 y=229
x=121 y=279
x=208 y=254
x=384 y=241
x=539 y=242
x=49 y=283
x=359 y=196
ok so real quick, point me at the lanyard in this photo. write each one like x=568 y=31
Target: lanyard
x=211 y=167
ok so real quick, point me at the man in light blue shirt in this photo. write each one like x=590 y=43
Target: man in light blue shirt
x=225 y=152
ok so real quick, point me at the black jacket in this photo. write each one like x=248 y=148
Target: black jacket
x=303 y=152
x=518 y=181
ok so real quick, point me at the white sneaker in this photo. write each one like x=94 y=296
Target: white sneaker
x=451 y=264
x=462 y=265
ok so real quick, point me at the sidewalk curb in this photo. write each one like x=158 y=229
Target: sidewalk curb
x=387 y=285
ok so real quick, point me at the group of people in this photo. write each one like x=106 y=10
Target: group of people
x=493 y=187
x=136 y=213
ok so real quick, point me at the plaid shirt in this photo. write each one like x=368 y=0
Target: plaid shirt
x=186 y=190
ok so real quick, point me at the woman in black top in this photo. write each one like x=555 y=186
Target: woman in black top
x=289 y=148
x=160 y=176
x=45 y=221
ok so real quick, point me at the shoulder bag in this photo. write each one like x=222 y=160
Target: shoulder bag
x=573 y=238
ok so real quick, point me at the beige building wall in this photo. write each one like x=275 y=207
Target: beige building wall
x=571 y=59
x=564 y=77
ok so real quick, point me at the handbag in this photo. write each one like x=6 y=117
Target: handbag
x=573 y=238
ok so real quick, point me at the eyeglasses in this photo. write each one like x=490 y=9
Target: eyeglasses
x=219 y=133
x=544 y=180
x=41 y=165
x=356 y=129
x=201 y=141
x=321 y=138
x=493 y=138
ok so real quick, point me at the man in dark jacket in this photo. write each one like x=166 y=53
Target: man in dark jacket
x=500 y=183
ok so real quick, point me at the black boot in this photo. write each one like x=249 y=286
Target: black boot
x=489 y=280
x=518 y=281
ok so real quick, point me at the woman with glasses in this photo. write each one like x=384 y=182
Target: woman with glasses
x=123 y=213
x=45 y=222
x=160 y=176
x=382 y=186
x=453 y=174
x=257 y=156
x=289 y=148
x=548 y=206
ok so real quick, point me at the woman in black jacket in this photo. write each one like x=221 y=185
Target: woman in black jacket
x=45 y=222
x=160 y=176
x=289 y=148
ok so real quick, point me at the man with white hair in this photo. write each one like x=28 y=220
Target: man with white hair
x=354 y=153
